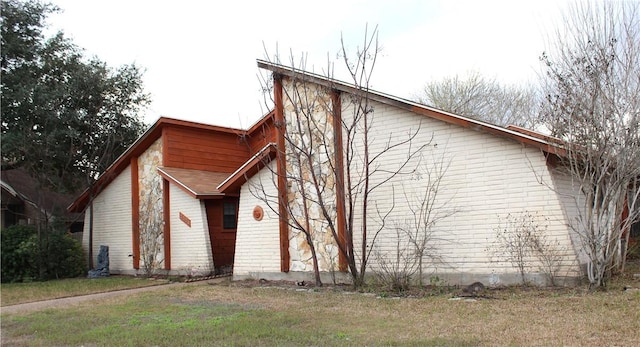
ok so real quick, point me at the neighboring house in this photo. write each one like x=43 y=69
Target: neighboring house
x=493 y=172
x=157 y=206
x=25 y=203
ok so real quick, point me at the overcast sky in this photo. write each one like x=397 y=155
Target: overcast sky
x=200 y=56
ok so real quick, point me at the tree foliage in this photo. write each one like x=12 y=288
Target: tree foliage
x=22 y=255
x=592 y=95
x=482 y=98
x=64 y=117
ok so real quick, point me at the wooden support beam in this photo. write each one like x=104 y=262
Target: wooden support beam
x=281 y=162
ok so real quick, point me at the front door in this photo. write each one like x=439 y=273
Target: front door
x=222 y=218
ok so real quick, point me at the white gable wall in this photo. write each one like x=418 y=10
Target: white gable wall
x=190 y=246
x=488 y=178
x=112 y=224
x=257 y=242
x=572 y=205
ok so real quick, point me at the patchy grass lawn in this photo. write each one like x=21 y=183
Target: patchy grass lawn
x=18 y=293
x=222 y=315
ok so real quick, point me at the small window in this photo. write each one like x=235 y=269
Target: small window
x=229 y=215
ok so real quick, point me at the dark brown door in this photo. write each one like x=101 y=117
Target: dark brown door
x=222 y=217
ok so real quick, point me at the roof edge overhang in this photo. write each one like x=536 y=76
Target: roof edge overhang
x=255 y=126
x=138 y=147
x=9 y=189
x=164 y=174
x=528 y=139
x=249 y=168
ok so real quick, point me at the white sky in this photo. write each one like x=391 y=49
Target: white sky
x=199 y=56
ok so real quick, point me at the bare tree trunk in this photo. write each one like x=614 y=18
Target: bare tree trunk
x=592 y=90
x=309 y=114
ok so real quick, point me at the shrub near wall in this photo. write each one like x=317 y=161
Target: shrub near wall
x=19 y=253
x=65 y=257
x=23 y=254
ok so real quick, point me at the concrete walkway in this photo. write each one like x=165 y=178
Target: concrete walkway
x=75 y=300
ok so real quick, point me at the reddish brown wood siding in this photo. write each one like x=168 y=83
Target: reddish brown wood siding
x=167 y=225
x=223 y=241
x=198 y=149
x=282 y=171
x=340 y=193
x=135 y=213
x=261 y=136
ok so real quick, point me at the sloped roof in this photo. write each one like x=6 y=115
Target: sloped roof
x=21 y=185
x=248 y=169
x=523 y=136
x=137 y=148
x=197 y=183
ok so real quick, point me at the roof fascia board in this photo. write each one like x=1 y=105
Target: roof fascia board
x=391 y=100
x=257 y=158
x=175 y=181
x=9 y=188
x=151 y=134
x=260 y=122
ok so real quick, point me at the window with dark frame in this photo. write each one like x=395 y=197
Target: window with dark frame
x=229 y=220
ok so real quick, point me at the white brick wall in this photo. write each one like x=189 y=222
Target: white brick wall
x=257 y=242
x=112 y=223
x=190 y=246
x=488 y=178
x=572 y=203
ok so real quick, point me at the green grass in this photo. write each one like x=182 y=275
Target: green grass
x=223 y=315
x=17 y=293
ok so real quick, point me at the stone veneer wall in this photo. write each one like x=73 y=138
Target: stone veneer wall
x=151 y=207
x=309 y=123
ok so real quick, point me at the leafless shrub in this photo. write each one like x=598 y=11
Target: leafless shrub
x=397 y=268
x=522 y=240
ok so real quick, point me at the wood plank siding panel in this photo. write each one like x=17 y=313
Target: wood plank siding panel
x=135 y=213
x=338 y=144
x=166 y=216
x=262 y=136
x=281 y=160
x=204 y=150
x=112 y=223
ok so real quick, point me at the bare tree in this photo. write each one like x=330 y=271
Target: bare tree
x=547 y=250
x=592 y=91
x=486 y=99
x=396 y=267
x=523 y=241
x=416 y=241
x=513 y=240
x=427 y=209
x=330 y=161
